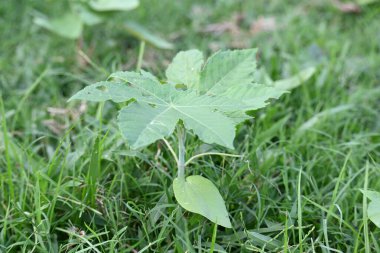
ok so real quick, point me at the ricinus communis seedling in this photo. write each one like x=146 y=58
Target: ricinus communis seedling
x=208 y=98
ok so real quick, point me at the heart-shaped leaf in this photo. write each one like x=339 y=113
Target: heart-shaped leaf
x=373 y=210
x=199 y=195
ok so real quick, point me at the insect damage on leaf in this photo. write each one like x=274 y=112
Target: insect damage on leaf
x=216 y=97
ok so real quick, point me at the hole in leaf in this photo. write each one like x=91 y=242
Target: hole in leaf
x=102 y=88
x=181 y=87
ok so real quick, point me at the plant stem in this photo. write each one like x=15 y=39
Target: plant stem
x=141 y=55
x=181 y=152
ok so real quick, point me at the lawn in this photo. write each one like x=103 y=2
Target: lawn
x=69 y=181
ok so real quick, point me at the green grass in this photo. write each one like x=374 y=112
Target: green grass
x=80 y=189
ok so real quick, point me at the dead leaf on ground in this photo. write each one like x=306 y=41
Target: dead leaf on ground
x=239 y=37
x=215 y=46
x=54 y=126
x=199 y=11
x=347 y=7
x=264 y=24
x=241 y=42
x=58 y=115
x=232 y=26
x=57 y=111
x=72 y=113
x=220 y=28
x=77 y=112
x=153 y=60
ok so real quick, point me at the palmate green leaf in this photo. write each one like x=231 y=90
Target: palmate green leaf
x=215 y=98
x=215 y=101
x=170 y=106
x=143 y=124
x=158 y=108
x=103 y=91
x=185 y=68
x=231 y=74
x=199 y=195
x=226 y=69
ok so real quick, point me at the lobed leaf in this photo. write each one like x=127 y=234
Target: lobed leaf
x=142 y=124
x=231 y=74
x=159 y=107
x=185 y=68
x=215 y=101
x=103 y=91
x=227 y=69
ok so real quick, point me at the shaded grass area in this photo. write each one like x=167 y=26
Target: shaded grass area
x=69 y=183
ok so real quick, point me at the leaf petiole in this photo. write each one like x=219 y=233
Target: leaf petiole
x=181 y=152
x=210 y=153
x=141 y=55
x=171 y=149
